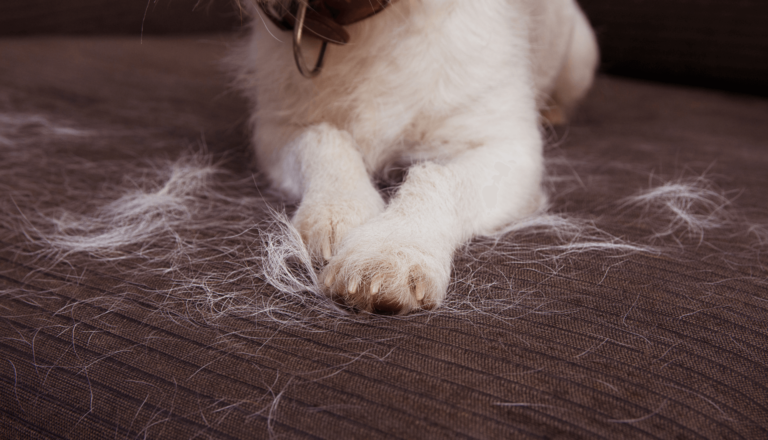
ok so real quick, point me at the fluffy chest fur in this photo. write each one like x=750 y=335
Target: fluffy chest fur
x=452 y=86
x=406 y=72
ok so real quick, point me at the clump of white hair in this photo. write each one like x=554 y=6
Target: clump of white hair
x=225 y=249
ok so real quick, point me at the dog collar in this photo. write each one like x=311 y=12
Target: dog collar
x=323 y=19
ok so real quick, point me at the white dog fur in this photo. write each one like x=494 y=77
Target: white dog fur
x=453 y=89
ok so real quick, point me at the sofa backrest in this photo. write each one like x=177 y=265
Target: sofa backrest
x=91 y=17
x=713 y=43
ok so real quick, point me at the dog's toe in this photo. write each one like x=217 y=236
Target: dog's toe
x=323 y=224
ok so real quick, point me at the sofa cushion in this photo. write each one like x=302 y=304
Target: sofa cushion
x=637 y=308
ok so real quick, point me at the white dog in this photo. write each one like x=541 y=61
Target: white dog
x=453 y=89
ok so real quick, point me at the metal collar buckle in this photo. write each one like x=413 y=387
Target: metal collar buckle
x=324 y=19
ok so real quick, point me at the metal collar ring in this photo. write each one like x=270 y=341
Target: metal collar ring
x=323 y=19
x=298 y=55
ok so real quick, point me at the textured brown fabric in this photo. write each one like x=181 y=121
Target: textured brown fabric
x=35 y=17
x=714 y=43
x=669 y=345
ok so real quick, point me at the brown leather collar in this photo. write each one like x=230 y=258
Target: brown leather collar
x=324 y=18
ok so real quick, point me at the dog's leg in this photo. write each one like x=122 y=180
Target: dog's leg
x=401 y=260
x=335 y=189
x=578 y=70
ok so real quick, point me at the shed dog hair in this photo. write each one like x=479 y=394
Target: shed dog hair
x=452 y=89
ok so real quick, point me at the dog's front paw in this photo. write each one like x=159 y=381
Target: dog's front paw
x=381 y=271
x=325 y=220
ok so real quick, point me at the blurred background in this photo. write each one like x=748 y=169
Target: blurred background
x=719 y=44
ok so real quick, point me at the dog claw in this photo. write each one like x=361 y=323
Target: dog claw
x=328 y=279
x=352 y=286
x=420 y=291
x=376 y=285
x=327 y=249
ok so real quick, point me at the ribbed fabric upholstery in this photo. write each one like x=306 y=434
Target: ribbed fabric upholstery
x=598 y=345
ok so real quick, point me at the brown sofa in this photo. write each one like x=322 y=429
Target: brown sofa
x=632 y=323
